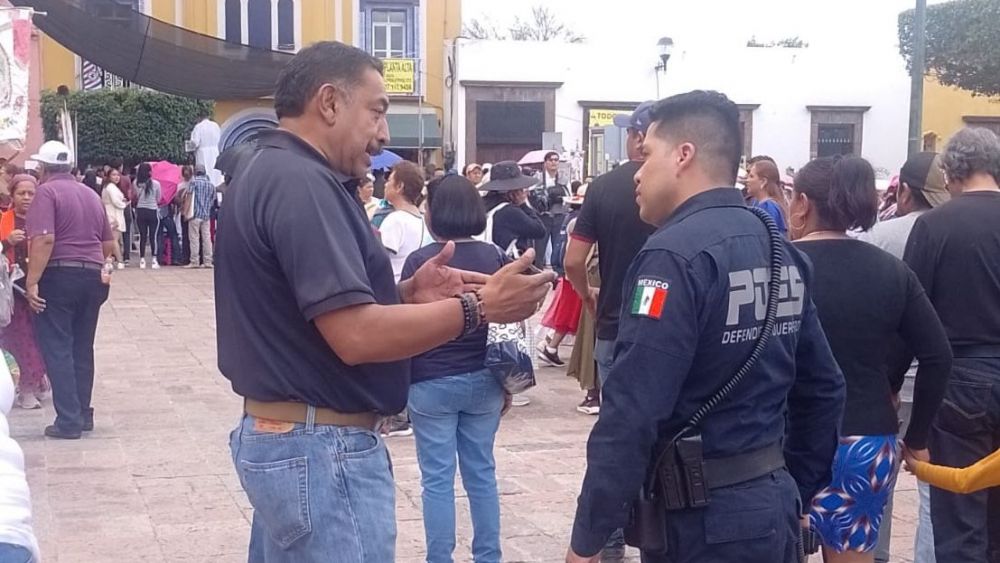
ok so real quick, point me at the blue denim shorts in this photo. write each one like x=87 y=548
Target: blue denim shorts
x=848 y=512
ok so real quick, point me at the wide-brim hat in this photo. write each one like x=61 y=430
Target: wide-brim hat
x=506 y=177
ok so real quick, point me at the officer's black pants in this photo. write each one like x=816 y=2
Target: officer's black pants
x=967 y=429
x=753 y=522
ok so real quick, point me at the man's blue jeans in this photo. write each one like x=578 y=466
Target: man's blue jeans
x=10 y=553
x=604 y=355
x=458 y=414
x=319 y=493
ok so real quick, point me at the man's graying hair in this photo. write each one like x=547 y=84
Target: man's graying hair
x=972 y=150
x=320 y=63
x=57 y=168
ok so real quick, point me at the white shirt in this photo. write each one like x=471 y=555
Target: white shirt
x=402 y=233
x=115 y=204
x=15 y=499
x=891 y=235
x=206 y=137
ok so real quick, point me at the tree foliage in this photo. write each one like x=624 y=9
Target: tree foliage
x=795 y=42
x=963 y=44
x=134 y=125
x=543 y=25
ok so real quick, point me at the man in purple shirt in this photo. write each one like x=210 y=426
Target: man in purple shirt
x=70 y=239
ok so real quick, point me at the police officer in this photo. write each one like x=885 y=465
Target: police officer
x=694 y=306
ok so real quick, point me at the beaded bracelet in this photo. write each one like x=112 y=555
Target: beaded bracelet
x=470 y=314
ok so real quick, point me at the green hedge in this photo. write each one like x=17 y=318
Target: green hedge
x=134 y=125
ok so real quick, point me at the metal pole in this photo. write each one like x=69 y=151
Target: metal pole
x=657 y=71
x=917 y=78
x=420 y=115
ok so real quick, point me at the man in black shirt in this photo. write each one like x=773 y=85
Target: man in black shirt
x=610 y=219
x=955 y=252
x=300 y=270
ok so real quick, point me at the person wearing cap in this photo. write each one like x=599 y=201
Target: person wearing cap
x=867 y=300
x=302 y=285
x=610 y=221
x=70 y=239
x=690 y=323
x=474 y=173
x=921 y=188
x=954 y=249
x=203 y=197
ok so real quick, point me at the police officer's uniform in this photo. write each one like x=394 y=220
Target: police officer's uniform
x=693 y=305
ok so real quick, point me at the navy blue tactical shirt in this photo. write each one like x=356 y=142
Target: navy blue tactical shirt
x=693 y=303
x=293 y=244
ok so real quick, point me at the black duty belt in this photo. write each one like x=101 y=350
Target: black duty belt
x=728 y=471
x=76 y=264
x=976 y=351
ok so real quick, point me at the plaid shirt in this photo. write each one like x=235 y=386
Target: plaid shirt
x=203 y=193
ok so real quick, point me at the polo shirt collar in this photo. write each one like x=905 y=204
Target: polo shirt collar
x=717 y=197
x=282 y=139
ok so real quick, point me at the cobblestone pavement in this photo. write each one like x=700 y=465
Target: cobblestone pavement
x=154 y=481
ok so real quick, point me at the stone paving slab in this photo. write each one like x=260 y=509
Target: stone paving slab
x=154 y=482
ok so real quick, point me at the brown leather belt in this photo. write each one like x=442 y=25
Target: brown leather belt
x=296 y=412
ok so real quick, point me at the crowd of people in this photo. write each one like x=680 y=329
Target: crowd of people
x=786 y=416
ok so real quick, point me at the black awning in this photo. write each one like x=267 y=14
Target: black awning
x=158 y=55
x=404 y=130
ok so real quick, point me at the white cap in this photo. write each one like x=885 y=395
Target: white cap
x=53 y=152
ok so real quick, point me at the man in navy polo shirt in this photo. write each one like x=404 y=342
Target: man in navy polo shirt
x=311 y=329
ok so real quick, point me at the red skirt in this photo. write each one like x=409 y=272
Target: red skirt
x=564 y=312
x=18 y=338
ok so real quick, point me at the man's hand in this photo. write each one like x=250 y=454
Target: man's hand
x=591 y=301
x=435 y=280
x=910 y=457
x=34 y=300
x=572 y=557
x=510 y=296
x=15 y=237
x=508 y=401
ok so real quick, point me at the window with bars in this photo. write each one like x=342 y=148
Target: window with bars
x=388 y=33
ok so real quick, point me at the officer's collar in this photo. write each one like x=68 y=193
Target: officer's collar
x=717 y=197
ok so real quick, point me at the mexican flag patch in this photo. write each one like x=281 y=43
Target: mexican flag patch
x=649 y=298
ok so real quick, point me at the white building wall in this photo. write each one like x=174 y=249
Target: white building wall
x=782 y=81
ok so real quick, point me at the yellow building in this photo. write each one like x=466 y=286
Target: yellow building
x=948 y=109
x=409 y=35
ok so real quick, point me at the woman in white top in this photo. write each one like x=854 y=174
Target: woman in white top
x=403 y=230
x=17 y=539
x=115 y=204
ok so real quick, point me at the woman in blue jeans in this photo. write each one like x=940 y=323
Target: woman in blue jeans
x=455 y=402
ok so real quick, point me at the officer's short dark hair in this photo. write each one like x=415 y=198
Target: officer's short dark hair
x=708 y=119
x=842 y=189
x=116 y=163
x=318 y=64
x=456 y=209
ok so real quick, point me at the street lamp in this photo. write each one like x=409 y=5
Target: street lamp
x=665 y=48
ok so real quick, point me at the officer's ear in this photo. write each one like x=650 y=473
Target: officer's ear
x=685 y=154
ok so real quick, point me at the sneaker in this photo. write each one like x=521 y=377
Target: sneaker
x=396 y=428
x=590 y=405
x=156 y=264
x=190 y=266
x=142 y=263
x=208 y=266
x=551 y=357
x=520 y=401
x=28 y=401
x=121 y=265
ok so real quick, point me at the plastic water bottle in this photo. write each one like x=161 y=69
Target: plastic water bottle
x=106 y=272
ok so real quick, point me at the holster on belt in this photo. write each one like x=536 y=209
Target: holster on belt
x=680 y=478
